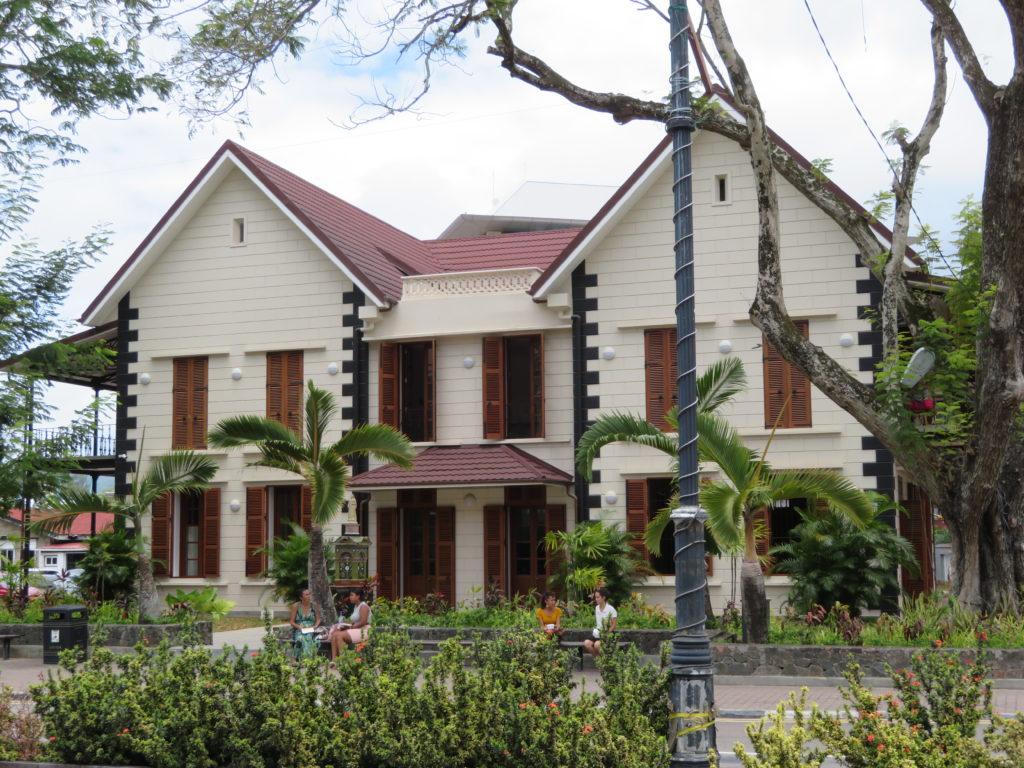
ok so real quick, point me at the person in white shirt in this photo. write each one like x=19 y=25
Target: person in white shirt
x=605 y=620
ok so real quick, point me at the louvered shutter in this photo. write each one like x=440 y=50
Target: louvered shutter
x=916 y=527
x=784 y=383
x=180 y=401
x=554 y=521
x=495 y=547
x=660 y=373
x=388 y=385
x=763 y=532
x=293 y=390
x=198 y=396
x=306 y=508
x=160 y=534
x=537 y=384
x=494 y=388
x=446 y=553
x=637 y=515
x=211 y=533
x=255 y=530
x=387 y=553
x=429 y=396
x=275 y=387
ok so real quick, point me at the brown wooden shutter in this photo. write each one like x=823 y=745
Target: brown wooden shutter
x=306 y=508
x=388 y=385
x=554 y=521
x=495 y=547
x=494 y=387
x=763 y=520
x=294 y=388
x=275 y=386
x=387 y=553
x=188 y=402
x=916 y=527
x=430 y=395
x=211 y=533
x=537 y=387
x=446 y=553
x=160 y=534
x=255 y=530
x=660 y=373
x=784 y=383
x=637 y=515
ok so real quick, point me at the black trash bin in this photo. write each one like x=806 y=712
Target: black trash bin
x=64 y=627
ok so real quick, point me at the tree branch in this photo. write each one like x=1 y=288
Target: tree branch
x=983 y=90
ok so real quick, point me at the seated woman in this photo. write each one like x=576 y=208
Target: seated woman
x=605 y=619
x=550 y=615
x=353 y=629
x=304 y=619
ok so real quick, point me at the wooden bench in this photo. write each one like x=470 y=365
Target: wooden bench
x=6 y=640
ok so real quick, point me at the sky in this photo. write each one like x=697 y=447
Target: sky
x=479 y=134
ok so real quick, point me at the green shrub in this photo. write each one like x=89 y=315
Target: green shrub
x=503 y=703
x=108 y=568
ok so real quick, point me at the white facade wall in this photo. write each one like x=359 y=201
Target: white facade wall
x=205 y=296
x=635 y=290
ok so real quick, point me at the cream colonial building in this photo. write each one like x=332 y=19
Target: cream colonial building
x=491 y=348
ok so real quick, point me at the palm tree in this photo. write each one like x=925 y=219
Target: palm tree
x=750 y=487
x=324 y=467
x=174 y=472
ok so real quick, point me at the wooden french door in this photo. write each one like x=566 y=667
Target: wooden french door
x=526 y=543
x=428 y=552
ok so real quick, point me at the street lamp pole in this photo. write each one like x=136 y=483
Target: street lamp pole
x=692 y=729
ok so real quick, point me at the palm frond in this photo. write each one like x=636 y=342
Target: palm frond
x=619 y=427
x=724 y=505
x=71 y=502
x=840 y=493
x=328 y=480
x=176 y=472
x=320 y=409
x=656 y=529
x=382 y=442
x=238 y=431
x=719 y=383
x=718 y=441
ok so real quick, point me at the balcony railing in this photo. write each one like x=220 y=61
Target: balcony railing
x=100 y=442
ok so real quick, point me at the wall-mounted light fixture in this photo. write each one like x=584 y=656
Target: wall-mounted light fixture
x=332 y=369
x=610 y=497
x=234 y=505
x=468 y=361
x=608 y=353
x=145 y=378
x=236 y=374
x=846 y=340
x=469 y=501
x=725 y=346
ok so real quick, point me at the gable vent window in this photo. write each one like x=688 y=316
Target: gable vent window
x=721 y=188
x=238 y=231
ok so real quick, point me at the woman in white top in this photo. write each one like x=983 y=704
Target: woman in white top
x=354 y=629
x=606 y=618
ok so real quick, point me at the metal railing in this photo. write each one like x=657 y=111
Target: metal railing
x=101 y=441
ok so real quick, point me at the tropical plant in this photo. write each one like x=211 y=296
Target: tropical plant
x=830 y=560
x=288 y=564
x=324 y=467
x=175 y=472
x=108 y=568
x=593 y=554
x=198 y=603
x=748 y=487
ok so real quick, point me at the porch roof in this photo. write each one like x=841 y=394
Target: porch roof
x=101 y=379
x=464 y=465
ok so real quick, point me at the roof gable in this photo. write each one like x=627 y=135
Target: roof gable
x=350 y=237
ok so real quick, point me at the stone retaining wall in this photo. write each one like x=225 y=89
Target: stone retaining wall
x=118 y=635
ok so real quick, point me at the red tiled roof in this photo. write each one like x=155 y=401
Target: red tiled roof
x=465 y=465
x=72 y=546
x=504 y=251
x=81 y=526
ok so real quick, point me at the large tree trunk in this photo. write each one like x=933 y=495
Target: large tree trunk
x=149 y=603
x=318 y=583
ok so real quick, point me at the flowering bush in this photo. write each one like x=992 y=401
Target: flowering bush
x=930 y=721
x=501 y=703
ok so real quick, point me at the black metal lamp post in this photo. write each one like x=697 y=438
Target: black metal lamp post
x=692 y=729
